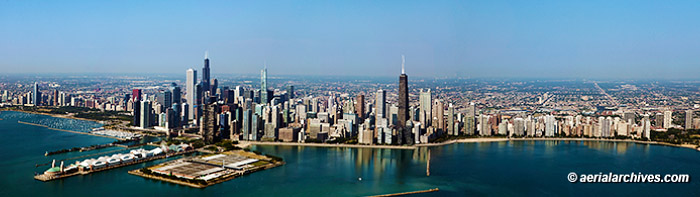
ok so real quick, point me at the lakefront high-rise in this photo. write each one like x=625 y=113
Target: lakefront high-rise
x=380 y=104
x=404 y=134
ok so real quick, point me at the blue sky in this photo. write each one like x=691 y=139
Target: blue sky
x=563 y=39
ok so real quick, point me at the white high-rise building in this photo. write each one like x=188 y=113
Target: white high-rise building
x=647 y=126
x=380 y=103
x=519 y=126
x=426 y=110
x=550 y=124
x=668 y=118
x=599 y=130
x=484 y=127
x=689 y=119
x=191 y=83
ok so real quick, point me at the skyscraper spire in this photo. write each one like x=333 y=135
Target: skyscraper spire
x=404 y=124
x=206 y=81
x=403 y=61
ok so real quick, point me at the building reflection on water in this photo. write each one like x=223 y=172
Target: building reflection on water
x=373 y=163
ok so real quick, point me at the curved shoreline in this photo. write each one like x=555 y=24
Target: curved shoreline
x=245 y=144
x=54 y=115
x=466 y=140
x=473 y=140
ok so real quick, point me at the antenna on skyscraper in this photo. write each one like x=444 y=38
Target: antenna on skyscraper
x=265 y=64
x=206 y=54
x=403 y=61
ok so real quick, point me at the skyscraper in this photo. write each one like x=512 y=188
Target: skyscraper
x=137 y=113
x=208 y=126
x=290 y=91
x=380 y=104
x=451 y=120
x=647 y=127
x=177 y=93
x=205 y=74
x=668 y=118
x=550 y=124
x=145 y=114
x=360 y=106
x=403 y=97
x=165 y=98
x=404 y=134
x=263 y=86
x=55 y=97
x=469 y=119
x=185 y=113
x=426 y=110
x=36 y=100
x=247 y=115
x=689 y=119
x=196 y=109
x=136 y=95
x=190 y=86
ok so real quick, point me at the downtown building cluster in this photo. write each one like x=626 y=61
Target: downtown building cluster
x=382 y=116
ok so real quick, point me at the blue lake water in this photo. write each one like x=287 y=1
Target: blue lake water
x=530 y=168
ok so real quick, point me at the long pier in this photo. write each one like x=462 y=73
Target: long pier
x=409 y=193
x=84 y=156
x=78 y=132
x=45 y=178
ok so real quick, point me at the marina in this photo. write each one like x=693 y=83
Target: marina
x=78 y=132
x=117 y=134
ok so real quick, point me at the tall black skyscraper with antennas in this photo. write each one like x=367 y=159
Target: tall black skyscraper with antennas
x=206 y=81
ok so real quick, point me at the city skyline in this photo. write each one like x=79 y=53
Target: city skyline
x=464 y=39
x=506 y=98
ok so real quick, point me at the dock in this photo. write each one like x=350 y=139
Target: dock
x=45 y=178
x=409 y=193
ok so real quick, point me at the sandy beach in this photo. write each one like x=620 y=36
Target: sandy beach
x=245 y=144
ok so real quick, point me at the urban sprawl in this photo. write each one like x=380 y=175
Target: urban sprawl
x=366 y=112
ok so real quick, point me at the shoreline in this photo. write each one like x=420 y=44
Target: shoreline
x=54 y=115
x=246 y=144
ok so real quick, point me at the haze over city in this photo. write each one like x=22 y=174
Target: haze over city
x=474 y=39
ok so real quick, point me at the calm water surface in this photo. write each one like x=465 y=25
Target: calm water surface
x=532 y=168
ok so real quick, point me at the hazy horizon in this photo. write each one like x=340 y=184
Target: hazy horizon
x=440 y=39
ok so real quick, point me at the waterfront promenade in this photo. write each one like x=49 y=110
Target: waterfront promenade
x=246 y=144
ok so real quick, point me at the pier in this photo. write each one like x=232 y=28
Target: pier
x=44 y=177
x=204 y=171
x=409 y=193
x=78 y=132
